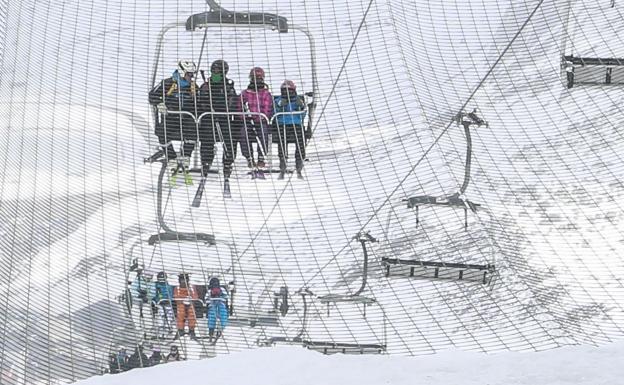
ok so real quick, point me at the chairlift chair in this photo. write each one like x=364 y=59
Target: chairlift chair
x=580 y=69
x=219 y=17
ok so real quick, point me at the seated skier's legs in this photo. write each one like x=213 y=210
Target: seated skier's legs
x=229 y=131
x=263 y=139
x=207 y=136
x=300 y=139
x=247 y=137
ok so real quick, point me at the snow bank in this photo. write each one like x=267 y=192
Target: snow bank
x=293 y=365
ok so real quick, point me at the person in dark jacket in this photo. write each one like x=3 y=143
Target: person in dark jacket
x=179 y=93
x=113 y=364
x=290 y=110
x=156 y=357
x=138 y=359
x=174 y=354
x=122 y=359
x=218 y=94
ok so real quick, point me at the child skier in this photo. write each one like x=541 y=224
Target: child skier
x=256 y=98
x=184 y=295
x=163 y=302
x=290 y=109
x=216 y=306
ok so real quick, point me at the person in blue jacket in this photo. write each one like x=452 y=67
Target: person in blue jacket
x=290 y=111
x=163 y=302
x=216 y=306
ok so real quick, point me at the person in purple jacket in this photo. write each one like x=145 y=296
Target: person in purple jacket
x=256 y=98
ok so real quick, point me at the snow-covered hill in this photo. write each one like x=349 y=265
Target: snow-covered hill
x=78 y=204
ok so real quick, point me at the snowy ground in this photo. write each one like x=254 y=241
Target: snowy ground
x=294 y=366
x=78 y=204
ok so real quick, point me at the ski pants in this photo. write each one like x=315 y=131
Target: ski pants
x=165 y=320
x=186 y=312
x=215 y=129
x=217 y=309
x=291 y=133
x=253 y=129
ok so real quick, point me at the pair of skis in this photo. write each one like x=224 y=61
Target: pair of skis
x=200 y=191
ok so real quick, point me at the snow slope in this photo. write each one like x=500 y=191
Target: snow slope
x=78 y=204
x=563 y=366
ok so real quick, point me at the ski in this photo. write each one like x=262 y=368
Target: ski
x=214 y=341
x=154 y=157
x=199 y=193
x=226 y=189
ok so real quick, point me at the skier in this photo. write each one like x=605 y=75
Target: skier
x=177 y=93
x=256 y=98
x=217 y=94
x=216 y=307
x=184 y=295
x=163 y=301
x=174 y=354
x=143 y=288
x=113 y=364
x=122 y=359
x=156 y=357
x=138 y=359
x=290 y=126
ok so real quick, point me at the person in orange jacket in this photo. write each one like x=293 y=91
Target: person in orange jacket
x=184 y=295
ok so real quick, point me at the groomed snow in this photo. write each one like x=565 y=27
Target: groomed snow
x=293 y=366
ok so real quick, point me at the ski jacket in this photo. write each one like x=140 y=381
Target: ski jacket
x=138 y=360
x=142 y=289
x=173 y=357
x=185 y=295
x=155 y=359
x=257 y=100
x=217 y=96
x=177 y=93
x=283 y=104
x=162 y=291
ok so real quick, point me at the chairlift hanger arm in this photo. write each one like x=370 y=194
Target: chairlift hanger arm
x=220 y=16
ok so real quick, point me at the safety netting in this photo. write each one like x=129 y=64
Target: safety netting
x=448 y=175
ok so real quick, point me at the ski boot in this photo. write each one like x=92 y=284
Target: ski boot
x=192 y=334
x=260 y=169
x=282 y=169
x=226 y=189
x=186 y=163
x=179 y=334
x=299 y=174
x=205 y=169
x=172 y=165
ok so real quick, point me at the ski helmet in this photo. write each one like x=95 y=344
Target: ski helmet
x=256 y=73
x=187 y=66
x=214 y=282
x=183 y=277
x=288 y=85
x=219 y=66
x=148 y=274
x=161 y=276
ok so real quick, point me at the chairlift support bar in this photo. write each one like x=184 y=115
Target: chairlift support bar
x=363 y=238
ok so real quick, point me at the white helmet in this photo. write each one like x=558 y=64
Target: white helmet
x=186 y=66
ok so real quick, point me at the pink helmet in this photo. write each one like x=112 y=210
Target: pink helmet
x=256 y=73
x=288 y=85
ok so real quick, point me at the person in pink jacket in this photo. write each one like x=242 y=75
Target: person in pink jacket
x=256 y=98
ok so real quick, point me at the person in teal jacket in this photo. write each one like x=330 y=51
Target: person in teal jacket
x=290 y=111
x=162 y=302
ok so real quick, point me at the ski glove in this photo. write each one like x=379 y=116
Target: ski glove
x=162 y=108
